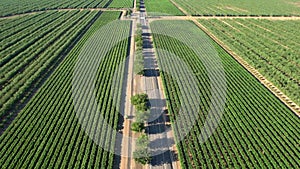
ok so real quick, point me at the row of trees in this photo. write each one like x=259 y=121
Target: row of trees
x=141 y=104
x=139 y=59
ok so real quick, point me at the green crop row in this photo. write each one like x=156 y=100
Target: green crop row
x=8 y=7
x=242 y=8
x=161 y=7
x=25 y=63
x=47 y=132
x=255 y=131
x=267 y=46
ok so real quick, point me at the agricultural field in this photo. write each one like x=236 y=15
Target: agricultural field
x=256 y=129
x=121 y=4
x=30 y=52
x=161 y=7
x=267 y=46
x=47 y=132
x=73 y=72
x=238 y=7
x=8 y=7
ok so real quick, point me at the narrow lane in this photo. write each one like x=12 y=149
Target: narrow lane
x=158 y=131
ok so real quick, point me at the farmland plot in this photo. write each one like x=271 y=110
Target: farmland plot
x=47 y=132
x=267 y=46
x=29 y=52
x=255 y=131
x=237 y=7
x=11 y=7
x=161 y=7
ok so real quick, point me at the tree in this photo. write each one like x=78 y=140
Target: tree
x=142 y=156
x=137 y=126
x=139 y=99
x=142 y=141
x=139 y=63
x=142 y=115
x=142 y=106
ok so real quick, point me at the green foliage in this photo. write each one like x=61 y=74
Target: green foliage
x=8 y=7
x=137 y=126
x=142 y=106
x=238 y=7
x=142 y=154
x=138 y=5
x=142 y=115
x=120 y=4
x=47 y=133
x=255 y=124
x=139 y=99
x=161 y=7
x=142 y=141
x=139 y=63
x=32 y=51
x=263 y=44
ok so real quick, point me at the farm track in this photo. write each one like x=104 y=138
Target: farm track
x=224 y=17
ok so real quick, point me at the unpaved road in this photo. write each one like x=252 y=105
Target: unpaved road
x=161 y=135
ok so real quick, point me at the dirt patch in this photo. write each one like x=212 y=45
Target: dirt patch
x=294 y=3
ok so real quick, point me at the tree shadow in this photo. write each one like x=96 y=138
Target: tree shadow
x=161 y=143
x=164 y=158
x=151 y=73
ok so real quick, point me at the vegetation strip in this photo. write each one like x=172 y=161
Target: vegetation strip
x=262 y=62
x=256 y=129
x=46 y=133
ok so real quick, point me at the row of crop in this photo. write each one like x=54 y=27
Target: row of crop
x=13 y=52
x=238 y=8
x=48 y=134
x=37 y=63
x=266 y=45
x=31 y=6
x=8 y=8
x=11 y=27
x=263 y=50
x=255 y=130
x=165 y=8
x=18 y=34
x=279 y=32
x=76 y=32
x=10 y=23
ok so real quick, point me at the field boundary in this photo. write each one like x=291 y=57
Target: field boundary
x=187 y=17
x=280 y=95
x=178 y=7
x=223 y=17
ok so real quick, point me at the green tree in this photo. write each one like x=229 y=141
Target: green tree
x=137 y=126
x=139 y=99
x=142 y=156
x=142 y=115
x=142 y=141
